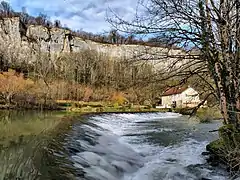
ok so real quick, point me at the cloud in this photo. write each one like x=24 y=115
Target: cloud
x=88 y=15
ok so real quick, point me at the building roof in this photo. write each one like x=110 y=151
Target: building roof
x=174 y=90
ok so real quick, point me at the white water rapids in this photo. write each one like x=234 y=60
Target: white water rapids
x=144 y=146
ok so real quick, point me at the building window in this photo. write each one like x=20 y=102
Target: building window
x=192 y=95
x=159 y=102
x=174 y=104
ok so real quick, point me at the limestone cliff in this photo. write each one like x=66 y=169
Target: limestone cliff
x=23 y=42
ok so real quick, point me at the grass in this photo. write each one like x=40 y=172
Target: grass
x=215 y=146
x=206 y=115
x=69 y=103
x=112 y=109
x=107 y=107
x=226 y=149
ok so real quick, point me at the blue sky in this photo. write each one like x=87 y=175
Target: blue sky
x=88 y=15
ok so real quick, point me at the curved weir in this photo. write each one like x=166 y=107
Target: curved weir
x=148 y=146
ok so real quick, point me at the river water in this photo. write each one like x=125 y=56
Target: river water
x=143 y=146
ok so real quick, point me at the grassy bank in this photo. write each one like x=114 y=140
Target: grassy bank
x=208 y=114
x=104 y=107
x=203 y=115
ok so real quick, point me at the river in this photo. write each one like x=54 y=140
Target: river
x=121 y=146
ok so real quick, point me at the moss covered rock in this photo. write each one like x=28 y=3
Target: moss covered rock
x=215 y=147
x=230 y=136
x=226 y=149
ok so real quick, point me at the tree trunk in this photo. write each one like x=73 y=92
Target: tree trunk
x=9 y=99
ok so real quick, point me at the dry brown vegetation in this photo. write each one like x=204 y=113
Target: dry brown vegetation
x=84 y=76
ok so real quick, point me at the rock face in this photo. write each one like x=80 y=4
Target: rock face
x=25 y=42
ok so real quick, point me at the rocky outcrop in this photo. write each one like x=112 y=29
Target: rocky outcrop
x=22 y=42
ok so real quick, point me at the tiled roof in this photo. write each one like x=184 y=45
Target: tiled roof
x=174 y=90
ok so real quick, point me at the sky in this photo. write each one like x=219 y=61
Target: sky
x=86 y=15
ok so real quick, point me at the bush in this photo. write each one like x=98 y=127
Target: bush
x=18 y=91
x=118 y=98
x=87 y=94
x=13 y=83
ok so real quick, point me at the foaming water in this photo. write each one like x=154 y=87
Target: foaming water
x=121 y=124
x=144 y=146
x=173 y=163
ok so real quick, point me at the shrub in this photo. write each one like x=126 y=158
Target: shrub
x=119 y=98
x=87 y=94
x=12 y=83
x=102 y=94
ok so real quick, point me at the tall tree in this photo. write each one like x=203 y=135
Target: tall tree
x=41 y=19
x=57 y=24
x=209 y=27
x=5 y=9
x=113 y=36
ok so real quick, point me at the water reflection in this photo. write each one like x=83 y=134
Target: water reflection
x=29 y=149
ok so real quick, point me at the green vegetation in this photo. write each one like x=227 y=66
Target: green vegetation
x=100 y=107
x=227 y=148
x=215 y=146
x=206 y=115
x=203 y=115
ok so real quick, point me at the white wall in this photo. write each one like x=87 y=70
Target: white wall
x=188 y=98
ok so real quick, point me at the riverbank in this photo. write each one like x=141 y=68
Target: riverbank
x=105 y=107
x=226 y=149
x=203 y=115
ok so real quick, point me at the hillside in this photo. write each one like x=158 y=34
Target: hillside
x=60 y=65
x=26 y=42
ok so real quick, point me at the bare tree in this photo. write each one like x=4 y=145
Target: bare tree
x=41 y=19
x=113 y=36
x=5 y=9
x=57 y=24
x=212 y=27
